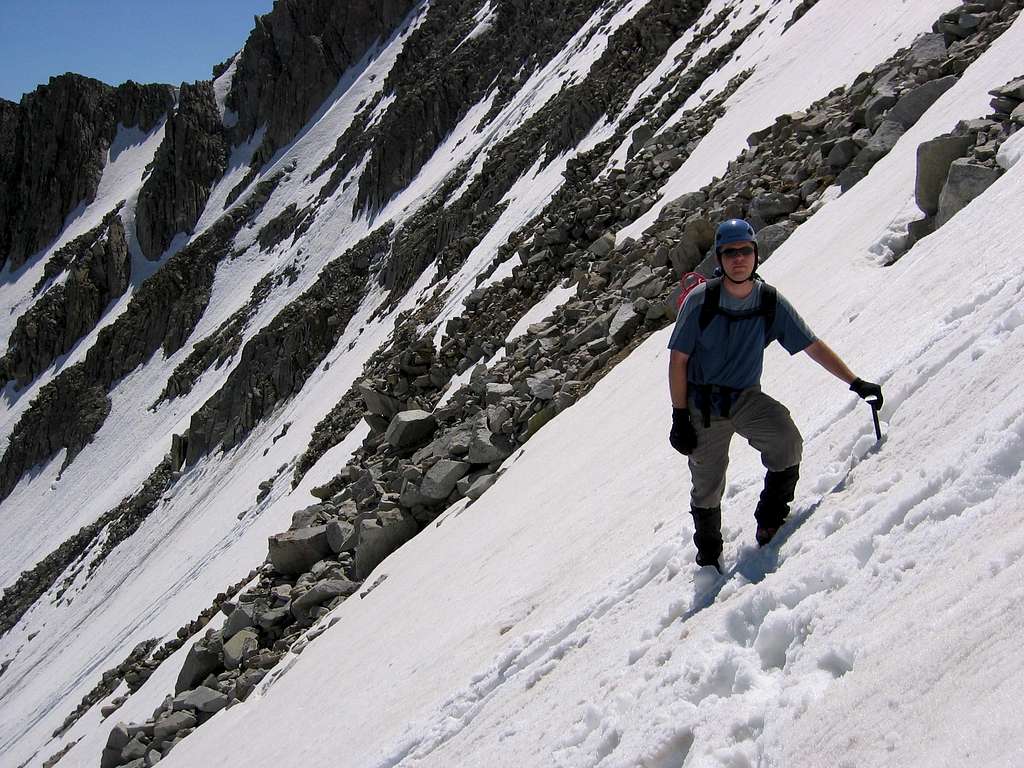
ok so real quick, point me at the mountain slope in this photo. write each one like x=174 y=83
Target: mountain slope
x=554 y=620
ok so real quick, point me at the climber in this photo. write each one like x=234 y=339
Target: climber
x=717 y=352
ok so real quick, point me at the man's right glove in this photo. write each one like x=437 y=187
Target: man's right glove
x=683 y=436
x=868 y=391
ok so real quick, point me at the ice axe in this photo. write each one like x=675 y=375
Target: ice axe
x=874 y=415
x=872 y=395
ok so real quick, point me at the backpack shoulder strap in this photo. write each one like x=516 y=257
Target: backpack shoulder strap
x=708 y=310
x=769 y=305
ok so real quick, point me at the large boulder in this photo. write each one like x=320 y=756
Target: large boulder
x=410 y=429
x=168 y=725
x=322 y=592
x=623 y=325
x=967 y=179
x=295 y=552
x=934 y=158
x=377 y=540
x=913 y=104
x=241 y=618
x=772 y=205
x=240 y=647
x=200 y=662
x=881 y=143
x=202 y=699
x=487 y=447
x=378 y=403
x=771 y=237
x=439 y=481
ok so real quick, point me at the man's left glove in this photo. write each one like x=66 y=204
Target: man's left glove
x=683 y=436
x=866 y=390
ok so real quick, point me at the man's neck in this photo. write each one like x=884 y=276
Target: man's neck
x=737 y=290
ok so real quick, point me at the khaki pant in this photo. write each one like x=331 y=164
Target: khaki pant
x=766 y=425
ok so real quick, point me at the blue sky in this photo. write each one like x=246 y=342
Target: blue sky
x=117 y=40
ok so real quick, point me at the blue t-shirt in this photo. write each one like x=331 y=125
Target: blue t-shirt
x=730 y=352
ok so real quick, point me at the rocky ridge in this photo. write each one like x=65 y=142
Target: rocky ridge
x=293 y=59
x=99 y=271
x=191 y=157
x=53 y=146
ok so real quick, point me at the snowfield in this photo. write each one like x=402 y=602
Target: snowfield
x=558 y=620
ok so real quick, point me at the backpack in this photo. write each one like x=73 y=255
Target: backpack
x=712 y=307
x=687 y=283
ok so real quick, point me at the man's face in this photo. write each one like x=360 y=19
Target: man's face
x=738 y=260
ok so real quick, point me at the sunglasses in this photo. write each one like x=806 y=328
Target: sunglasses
x=746 y=250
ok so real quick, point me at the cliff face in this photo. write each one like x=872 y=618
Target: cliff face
x=192 y=156
x=293 y=59
x=53 y=147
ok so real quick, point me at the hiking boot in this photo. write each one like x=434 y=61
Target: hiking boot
x=773 y=506
x=707 y=534
x=765 y=534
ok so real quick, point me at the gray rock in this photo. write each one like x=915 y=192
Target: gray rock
x=875 y=108
x=912 y=105
x=497 y=392
x=409 y=429
x=202 y=699
x=543 y=384
x=1013 y=90
x=933 y=160
x=604 y=245
x=487 y=447
x=928 y=49
x=272 y=617
x=240 y=618
x=842 y=153
x=965 y=182
x=133 y=750
x=378 y=402
x=200 y=662
x=168 y=725
x=378 y=540
x=623 y=325
x=640 y=278
x=1017 y=116
x=596 y=329
x=439 y=481
x=322 y=592
x=240 y=647
x=882 y=142
x=497 y=417
x=295 y=552
x=771 y=205
x=119 y=737
x=481 y=485
x=341 y=536
x=247 y=682
x=771 y=237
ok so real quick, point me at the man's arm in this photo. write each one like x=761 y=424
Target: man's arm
x=822 y=354
x=677 y=378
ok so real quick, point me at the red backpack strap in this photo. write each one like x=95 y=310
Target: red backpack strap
x=687 y=283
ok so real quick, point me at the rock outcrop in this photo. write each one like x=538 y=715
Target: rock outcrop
x=53 y=147
x=293 y=59
x=191 y=157
x=99 y=270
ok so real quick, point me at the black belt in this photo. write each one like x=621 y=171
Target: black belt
x=706 y=396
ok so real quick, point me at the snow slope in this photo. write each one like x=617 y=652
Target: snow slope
x=556 y=620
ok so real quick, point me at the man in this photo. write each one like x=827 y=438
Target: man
x=717 y=352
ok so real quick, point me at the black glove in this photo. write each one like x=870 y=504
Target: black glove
x=683 y=436
x=868 y=391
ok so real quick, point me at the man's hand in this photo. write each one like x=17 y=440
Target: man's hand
x=866 y=390
x=683 y=436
